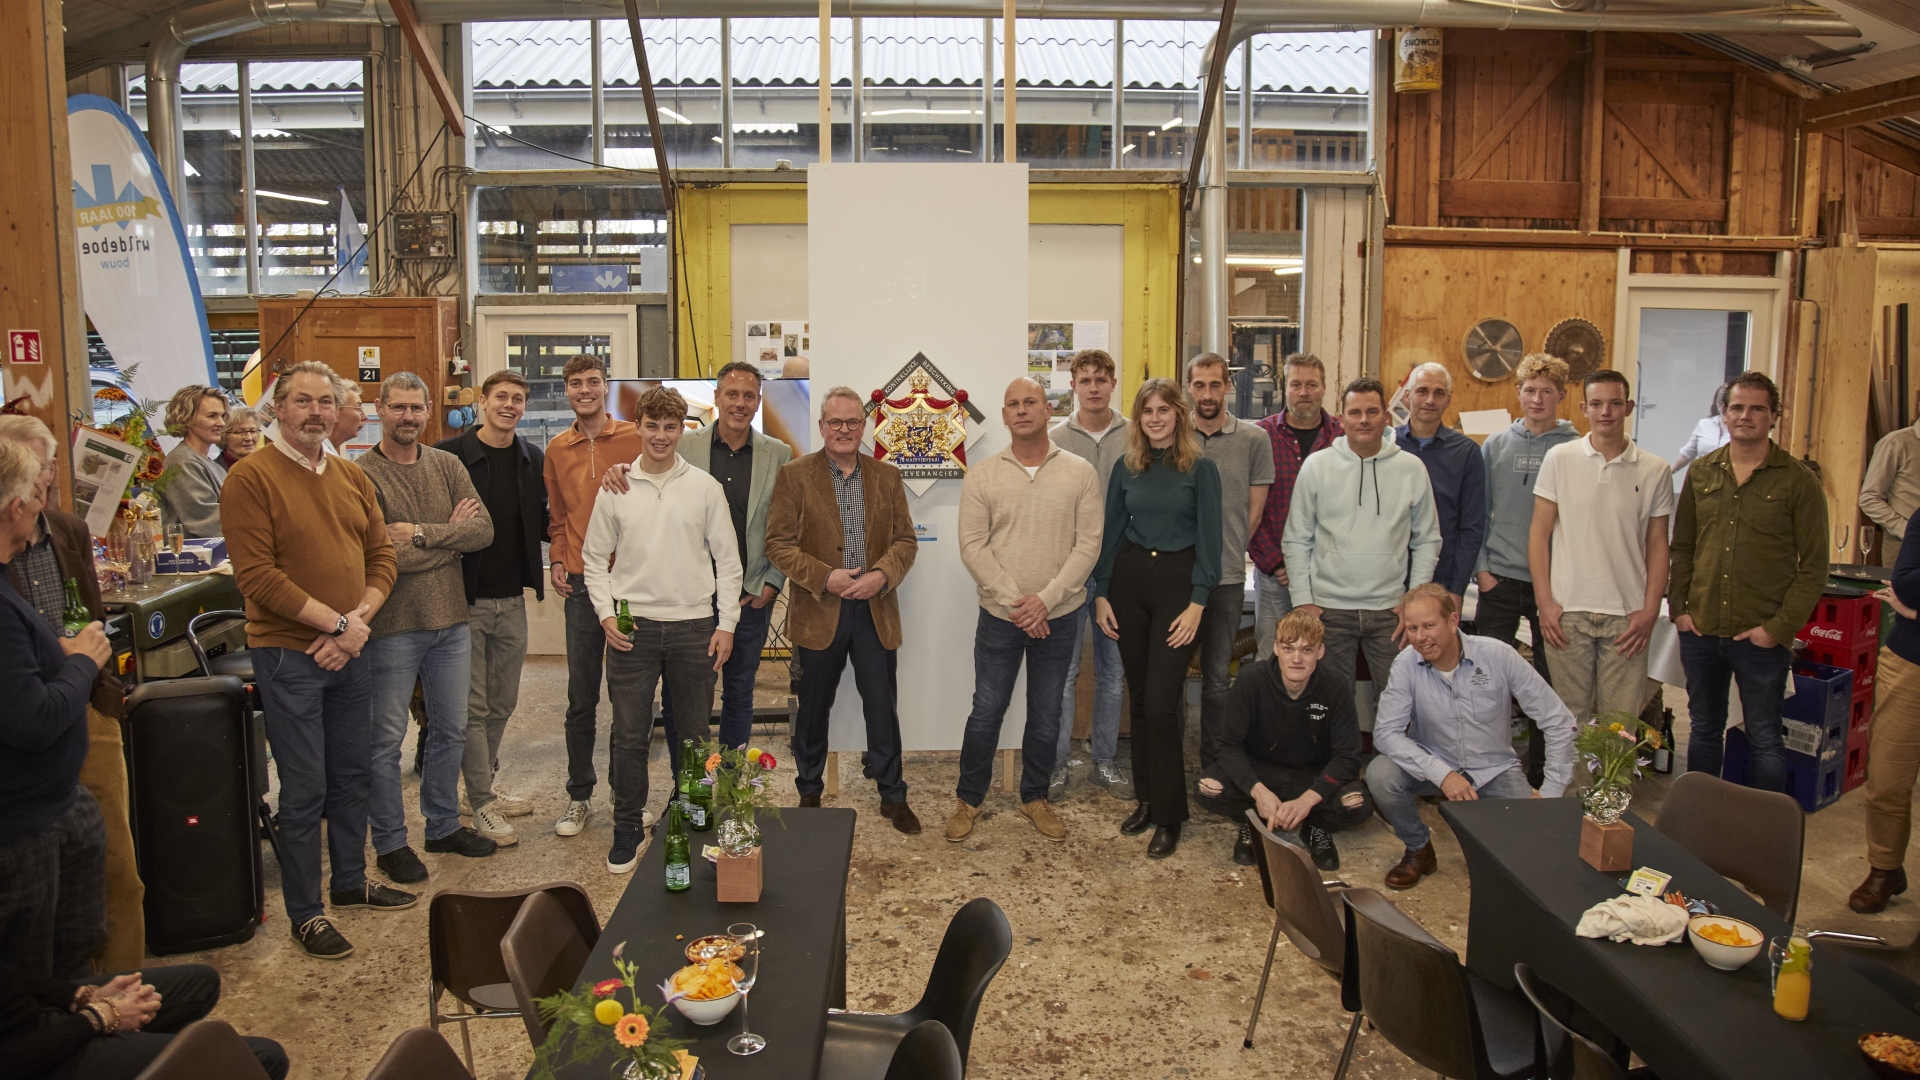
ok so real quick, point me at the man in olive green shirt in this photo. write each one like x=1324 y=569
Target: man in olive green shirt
x=1749 y=561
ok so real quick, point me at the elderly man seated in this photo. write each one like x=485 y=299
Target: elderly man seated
x=1444 y=726
x=1288 y=745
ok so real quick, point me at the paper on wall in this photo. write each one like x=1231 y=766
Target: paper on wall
x=102 y=468
x=777 y=346
x=1485 y=421
x=1050 y=349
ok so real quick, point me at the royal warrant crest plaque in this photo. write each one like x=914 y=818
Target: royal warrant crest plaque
x=923 y=433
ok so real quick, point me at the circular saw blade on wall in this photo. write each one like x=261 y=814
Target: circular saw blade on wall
x=1580 y=344
x=1493 y=349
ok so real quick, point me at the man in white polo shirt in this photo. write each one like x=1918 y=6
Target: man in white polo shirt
x=1598 y=554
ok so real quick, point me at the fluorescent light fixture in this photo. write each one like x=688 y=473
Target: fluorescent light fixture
x=1173 y=123
x=1264 y=260
x=766 y=129
x=630 y=157
x=1129 y=148
x=924 y=112
x=1284 y=271
x=674 y=116
x=265 y=194
x=716 y=138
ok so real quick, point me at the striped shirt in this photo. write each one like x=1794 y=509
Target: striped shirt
x=853 y=515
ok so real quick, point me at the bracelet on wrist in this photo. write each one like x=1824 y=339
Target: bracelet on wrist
x=83 y=997
x=107 y=1027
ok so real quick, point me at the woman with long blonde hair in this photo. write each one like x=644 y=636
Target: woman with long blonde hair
x=1159 y=560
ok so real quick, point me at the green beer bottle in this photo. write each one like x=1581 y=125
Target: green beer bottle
x=700 y=802
x=75 y=617
x=683 y=778
x=623 y=622
x=679 y=865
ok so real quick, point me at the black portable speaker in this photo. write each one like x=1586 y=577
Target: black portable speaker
x=195 y=834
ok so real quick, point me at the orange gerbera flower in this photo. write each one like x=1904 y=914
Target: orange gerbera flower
x=631 y=1030
x=713 y=762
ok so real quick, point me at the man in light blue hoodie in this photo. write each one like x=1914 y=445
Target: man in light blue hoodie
x=1362 y=530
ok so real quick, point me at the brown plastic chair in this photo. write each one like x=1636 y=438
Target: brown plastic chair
x=543 y=951
x=1307 y=910
x=1416 y=993
x=1753 y=838
x=464 y=932
x=420 y=1054
x=928 y=1052
x=205 y=1050
x=1565 y=1054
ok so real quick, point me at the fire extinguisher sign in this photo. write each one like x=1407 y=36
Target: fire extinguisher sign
x=23 y=347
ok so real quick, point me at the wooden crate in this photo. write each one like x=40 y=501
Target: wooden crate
x=414 y=333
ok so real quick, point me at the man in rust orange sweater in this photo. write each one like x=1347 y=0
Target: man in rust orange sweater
x=313 y=559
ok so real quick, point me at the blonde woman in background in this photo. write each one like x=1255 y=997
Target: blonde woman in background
x=190 y=498
x=241 y=438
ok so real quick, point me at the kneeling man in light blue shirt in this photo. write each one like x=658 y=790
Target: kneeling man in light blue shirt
x=1443 y=726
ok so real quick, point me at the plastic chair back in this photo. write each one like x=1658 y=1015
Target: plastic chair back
x=1411 y=987
x=1568 y=1054
x=205 y=1050
x=420 y=1054
x=977 y=942
x=1308 y=911
x=1752 y=837
x=927 y=1053
x=543 y=952
x=465 y=930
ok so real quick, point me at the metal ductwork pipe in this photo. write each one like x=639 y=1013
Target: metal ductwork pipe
x=1215 y=335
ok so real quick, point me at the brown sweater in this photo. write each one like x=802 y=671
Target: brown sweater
x=293 y=535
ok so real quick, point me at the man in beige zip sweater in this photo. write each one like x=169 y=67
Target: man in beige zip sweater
x=1030 y=525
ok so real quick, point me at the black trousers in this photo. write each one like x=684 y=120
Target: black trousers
x=1149 y=591
x=874 y=676
x=1332 y=814
x=1498 y=617
x=188 y=992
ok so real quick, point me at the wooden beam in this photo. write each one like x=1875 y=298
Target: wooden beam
x=428 y=58
x=1856 y=100
x=1659 y=152
x=1895 y=154
x=1433 y=157
x=1780 y=81
x=1509 y=199
x=1550 y=239
x=1618 y=208
x=1665 y=62
x=1509 y=118
x=1593 y=120
x=1642 y=92
x=1890 y=226
x=1890 y=111
x=1737 y=156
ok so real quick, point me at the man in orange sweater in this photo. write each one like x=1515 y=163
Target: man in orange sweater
x=313 y=559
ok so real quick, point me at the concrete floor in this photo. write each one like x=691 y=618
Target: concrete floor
x=1122 y=967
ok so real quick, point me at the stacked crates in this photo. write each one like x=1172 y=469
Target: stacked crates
x=1815 y=725
x=1845 y=633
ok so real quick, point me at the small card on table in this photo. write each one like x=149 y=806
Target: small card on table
x=1647 y=881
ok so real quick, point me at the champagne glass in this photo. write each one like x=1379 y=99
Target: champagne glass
x=1840 y=540
x=1867 y=533
x=747 y=936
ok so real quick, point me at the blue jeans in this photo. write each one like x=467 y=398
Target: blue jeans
x=1109 y=679
x=736 y=684
x=440 y=661
x=1711 y=663
x=673 y=653
x=1271 y=602
x=586 y=663
x=998 y=648
x=1397 y=795
x=318 y=725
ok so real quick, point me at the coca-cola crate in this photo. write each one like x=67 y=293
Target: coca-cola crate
x=1862 y=659
x=1860 y=710
x=1856 y=766
x=1844 y=621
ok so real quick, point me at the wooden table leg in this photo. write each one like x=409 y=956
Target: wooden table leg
x=833 y=772
x=1009 y=764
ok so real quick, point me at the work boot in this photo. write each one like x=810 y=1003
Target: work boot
x=1044 y=819
x=960 y=822
x=1243 y=845
x=1320 y=846
x=1413 y=866
x=1109 y=775
x=901 y=815
x=1881 y=886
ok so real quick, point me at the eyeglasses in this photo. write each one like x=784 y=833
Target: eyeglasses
x=845 y=425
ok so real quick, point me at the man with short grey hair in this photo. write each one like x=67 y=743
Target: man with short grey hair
x=433 y=514
x=1455 y=469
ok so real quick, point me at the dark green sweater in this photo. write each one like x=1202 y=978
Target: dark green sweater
x=1164 y=510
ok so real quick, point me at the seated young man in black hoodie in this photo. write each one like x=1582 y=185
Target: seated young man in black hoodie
x=1288 y=746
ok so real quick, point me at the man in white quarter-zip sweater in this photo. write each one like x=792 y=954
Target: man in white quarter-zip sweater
x=665 y=548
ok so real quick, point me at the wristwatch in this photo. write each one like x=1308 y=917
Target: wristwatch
x=419 y=539
x=340 y=627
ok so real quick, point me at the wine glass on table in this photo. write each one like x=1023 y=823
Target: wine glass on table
x=746 y=965
x=1840 y=540
x=1867 y=533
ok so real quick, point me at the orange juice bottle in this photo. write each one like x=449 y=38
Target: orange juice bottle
x=1792 y=977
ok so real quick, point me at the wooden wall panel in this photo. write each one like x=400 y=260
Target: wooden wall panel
x=1435 y=295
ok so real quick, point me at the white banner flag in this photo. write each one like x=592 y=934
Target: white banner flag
x=136 y=274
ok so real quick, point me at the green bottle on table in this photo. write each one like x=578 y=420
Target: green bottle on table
x=623 y=622
x=700 y=802
x=74 y=617
x=679 y=863
x=684 y=778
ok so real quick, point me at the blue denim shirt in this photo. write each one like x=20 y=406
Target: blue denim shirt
x=1430 y=728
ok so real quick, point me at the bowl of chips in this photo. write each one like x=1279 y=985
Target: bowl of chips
x=1725 y=943
x=709 y=991
x=702 y=949
x=1892 y=1056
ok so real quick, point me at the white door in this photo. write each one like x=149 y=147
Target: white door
x=537 y=343
x=1684 y=342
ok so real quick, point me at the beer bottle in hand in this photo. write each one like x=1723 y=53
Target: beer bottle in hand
x=75 y=617
x=623 y=622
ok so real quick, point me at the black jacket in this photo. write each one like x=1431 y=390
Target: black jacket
x=533 y=503
x=43 y=726
x=37 y=1033
x=1317 y=731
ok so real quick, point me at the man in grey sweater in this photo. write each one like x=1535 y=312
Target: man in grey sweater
x=1097 y=433
x=433 y=514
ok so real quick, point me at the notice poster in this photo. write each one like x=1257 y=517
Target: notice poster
x=102 y=468
x=1050 y=349
x=779 y=347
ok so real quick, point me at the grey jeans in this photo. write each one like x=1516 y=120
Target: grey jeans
x=499 y=632
x=1219 y=626
x=674 y=651
x=1351 y=633
x=1397 y=795
x=1271 y=602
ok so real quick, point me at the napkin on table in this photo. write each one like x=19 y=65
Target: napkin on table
x=1642 y=920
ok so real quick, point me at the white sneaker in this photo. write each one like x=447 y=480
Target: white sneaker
x=511 y=806
x=493 y=826
x=575 y=819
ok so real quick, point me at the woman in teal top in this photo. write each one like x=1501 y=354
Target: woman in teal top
x=1160 y=559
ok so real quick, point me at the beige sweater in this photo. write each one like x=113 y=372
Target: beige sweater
x=1022 y=535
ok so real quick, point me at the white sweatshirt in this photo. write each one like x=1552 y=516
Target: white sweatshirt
x=666 y=547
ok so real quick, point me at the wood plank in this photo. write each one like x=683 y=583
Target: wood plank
x=1620 y=208
x=428 y=60
x=1568 y=238
x=1890 y=111
x=1667 y=62
x=1780 y=81
x=1509 y=199
x=1737 y=157
x=1432 y=192
x=1890 y=226
x=1657 y=149
x=1594 y=123
x=1642 y=92
x=1503 y=125
x=1857 y=100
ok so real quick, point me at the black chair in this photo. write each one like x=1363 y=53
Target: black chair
x=1306 y=909
x=978 y=940
x=238 y=663
x=420 y=1054
x=927 y=1053
x=1416 y=992
x=464 y=934
x=1753 y=837
x=1563 y=1053
x=205 y=1050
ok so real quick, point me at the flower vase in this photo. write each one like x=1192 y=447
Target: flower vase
x=635 y=1069
x=737 y=869
x=1606 y=842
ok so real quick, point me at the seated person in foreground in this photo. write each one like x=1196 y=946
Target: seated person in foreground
x=109 y=1027
x=1444 y=726
x=1288 y=745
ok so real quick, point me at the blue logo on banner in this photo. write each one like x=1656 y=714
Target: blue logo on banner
x=156 y=624
x=593 y=277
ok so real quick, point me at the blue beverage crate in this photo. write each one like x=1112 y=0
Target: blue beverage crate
x=1814 y=782
x=1822 y=698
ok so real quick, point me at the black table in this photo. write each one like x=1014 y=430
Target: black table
x=803 y=964
x=1683 y=1017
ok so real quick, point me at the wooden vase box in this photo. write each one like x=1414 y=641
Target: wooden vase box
x=738 y=877
x=1606 y=848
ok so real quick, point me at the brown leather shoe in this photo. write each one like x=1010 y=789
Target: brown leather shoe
x=960 y=822
x=1413 y=866
x=902 y=817
x=809 y=800
x=1044 y=819
x=1881 y=886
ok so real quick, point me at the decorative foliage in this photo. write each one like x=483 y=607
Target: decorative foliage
x=596 y=1025
x=739 y=778
x=1614 y=747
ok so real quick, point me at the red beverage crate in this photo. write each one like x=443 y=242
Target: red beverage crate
x=1844 y=621
x=1860 y=711
x=1856 y=767
x=1862 y=659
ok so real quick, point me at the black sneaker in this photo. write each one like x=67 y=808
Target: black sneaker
x=401 y=865
x=1320 y=846
x=462 y=841
x=321 y=940
x=625 y=853
x=378 y=897
x=1243 y=845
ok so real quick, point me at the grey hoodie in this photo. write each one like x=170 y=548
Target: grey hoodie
x=1513 y=463
x=1361 y=531
x=1101 y=453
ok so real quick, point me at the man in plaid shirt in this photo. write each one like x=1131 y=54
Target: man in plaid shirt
x=1302 y=429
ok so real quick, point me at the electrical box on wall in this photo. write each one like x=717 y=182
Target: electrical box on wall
x=428 y=234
